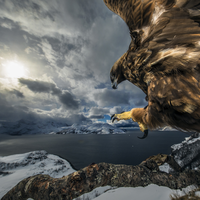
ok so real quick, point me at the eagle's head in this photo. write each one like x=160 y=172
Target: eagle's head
x=117 y=72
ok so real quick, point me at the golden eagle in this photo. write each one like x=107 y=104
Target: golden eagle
x=163 y=60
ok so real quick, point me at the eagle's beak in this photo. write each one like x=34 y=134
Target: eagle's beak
x=114 y=83
x=114 y=86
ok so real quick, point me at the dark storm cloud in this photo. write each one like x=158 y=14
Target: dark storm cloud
x=107 y=97
x=40 y=86
x=16 y=92
x=77 y=118
x=68 y=101
x=11 y=112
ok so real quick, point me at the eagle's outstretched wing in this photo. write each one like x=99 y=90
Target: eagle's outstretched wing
x=163 y=59
x=138 y=13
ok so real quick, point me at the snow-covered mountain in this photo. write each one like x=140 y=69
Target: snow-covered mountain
x=51 y=127
x=91 y=128
x=15 y=168
x=30 y=127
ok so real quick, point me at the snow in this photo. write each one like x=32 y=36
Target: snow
x=186 y=154
x=15 y=168
x=94 y=193
x=141 y=193
x=167 y=128
x=50 y=127
x=165 y=168
x=91 y=128
x=197 y=193
x=188 y=140
x=150 y=192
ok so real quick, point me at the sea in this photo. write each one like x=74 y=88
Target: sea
x=84 y=149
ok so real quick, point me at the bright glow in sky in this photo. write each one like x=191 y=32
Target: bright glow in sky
x=14 y=69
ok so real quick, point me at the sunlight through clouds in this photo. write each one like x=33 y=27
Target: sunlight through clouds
x=14 y=69
x=55 y=56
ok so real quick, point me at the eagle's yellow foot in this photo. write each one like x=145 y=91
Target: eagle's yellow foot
x=122 y=116
x=136 y=115
x=142 y=126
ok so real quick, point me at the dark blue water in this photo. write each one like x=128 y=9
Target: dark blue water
x=82 y=150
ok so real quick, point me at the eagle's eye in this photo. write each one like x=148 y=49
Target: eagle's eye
x=113 y=76
x=133 y=34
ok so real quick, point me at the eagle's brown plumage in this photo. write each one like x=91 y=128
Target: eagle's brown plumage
x=163 y=60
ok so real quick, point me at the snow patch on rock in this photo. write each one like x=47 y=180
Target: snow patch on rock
x=15 y=168
x=165 y=168
x=187 y=153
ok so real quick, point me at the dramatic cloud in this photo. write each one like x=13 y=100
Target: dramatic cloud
x=68 y=100
x=107 y=97
x=67 y=49
x=98 y=112
x=45 y=87
x=16 y=92
x=115 y=110
x=40 y=86
x=12 y=112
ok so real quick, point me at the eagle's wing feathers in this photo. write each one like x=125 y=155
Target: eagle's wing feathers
x=172 y=46
x=175 y=27
x=173 y=71
x=188 y=4
x=163 y=58
x=138 y=13
x=174 y=42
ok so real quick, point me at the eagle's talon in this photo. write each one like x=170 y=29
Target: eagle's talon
x=113 y=118
x=145 y=134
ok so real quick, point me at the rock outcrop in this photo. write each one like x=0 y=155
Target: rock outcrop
x=187 y=153
x=176 y=171
x=96 y=175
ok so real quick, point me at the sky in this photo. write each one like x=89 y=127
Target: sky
x=55 y=61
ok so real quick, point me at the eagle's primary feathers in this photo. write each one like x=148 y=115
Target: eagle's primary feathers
x=163 y=60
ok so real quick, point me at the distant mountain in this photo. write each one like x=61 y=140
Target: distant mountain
x=30 y=127
x=91 y=128
x=51 y=127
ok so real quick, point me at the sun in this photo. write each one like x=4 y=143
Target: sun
x=14 y=69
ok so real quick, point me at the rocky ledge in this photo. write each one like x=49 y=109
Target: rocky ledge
x=176 y=171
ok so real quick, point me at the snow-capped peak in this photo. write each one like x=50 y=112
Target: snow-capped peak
x=15 y=168
x=91 y=128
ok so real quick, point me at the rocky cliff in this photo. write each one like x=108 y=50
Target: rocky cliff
x=176 y=171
